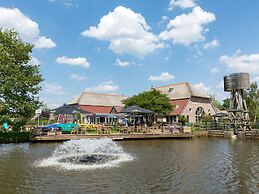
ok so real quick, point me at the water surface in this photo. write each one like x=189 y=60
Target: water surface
x=203 y=165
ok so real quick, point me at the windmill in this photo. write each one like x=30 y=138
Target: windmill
x=236 y=84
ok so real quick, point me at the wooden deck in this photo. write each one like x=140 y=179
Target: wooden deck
x=253 y=134
x=115 y=137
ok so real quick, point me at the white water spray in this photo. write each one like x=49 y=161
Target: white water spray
x=86 y=154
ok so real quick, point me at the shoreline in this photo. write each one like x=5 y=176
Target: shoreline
x=19 y=137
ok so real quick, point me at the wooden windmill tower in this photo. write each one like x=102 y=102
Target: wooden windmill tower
x=236 y=84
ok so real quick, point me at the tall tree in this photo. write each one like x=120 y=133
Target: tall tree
x=215 y=102
x=226 y=103
x=19 y=81
x=152 y=100
x=252 y=101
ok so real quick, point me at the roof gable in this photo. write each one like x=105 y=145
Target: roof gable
x=179 y=106
x=98 y=99
x=181 y=91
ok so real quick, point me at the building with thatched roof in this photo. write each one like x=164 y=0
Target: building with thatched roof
x=104 y=106
x=188 y=101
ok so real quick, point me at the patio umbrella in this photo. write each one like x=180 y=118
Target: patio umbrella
x=136 y=109
x=70 y=110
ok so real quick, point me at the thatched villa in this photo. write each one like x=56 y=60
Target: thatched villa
x=188 y=101
x=104 y=106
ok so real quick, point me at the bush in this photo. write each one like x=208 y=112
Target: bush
x=14 y=137
x=182 y=119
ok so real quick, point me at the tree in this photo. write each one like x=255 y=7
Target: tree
x=252 y=101
x=19 y=81
x=226 y=103
x=215 y=102
x=151 y=100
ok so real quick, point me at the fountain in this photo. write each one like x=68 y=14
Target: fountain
x=86 y=154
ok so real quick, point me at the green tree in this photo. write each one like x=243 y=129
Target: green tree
x=215 y=102
x=226 y=103
x=19 y=81
x=152 y=100
x=252 y=101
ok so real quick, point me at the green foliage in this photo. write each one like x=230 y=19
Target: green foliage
x=19 y=81
x=252 y=101
x=215 y=102
x=206 y=118
x=151 y=100
x=14 y=137
x=226 y=104
x=182 y=119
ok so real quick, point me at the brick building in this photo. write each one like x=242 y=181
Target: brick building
x=188 y=101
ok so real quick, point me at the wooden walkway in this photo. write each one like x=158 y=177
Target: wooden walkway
x=115 y=137
x=253 y=134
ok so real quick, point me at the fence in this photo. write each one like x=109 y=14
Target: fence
x=211 y=125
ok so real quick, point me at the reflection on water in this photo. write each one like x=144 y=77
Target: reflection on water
x=205 y=165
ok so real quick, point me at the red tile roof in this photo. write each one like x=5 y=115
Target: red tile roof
x=179 y=106
x=99 y=109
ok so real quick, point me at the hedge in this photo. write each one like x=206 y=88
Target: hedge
x=14 y=137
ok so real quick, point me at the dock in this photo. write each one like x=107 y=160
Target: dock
x=115 y=137
x=253 y=134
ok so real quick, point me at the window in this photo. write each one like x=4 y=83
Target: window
x=199 y=113
x=170 y=90
x=190 y=109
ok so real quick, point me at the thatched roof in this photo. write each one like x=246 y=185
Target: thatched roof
x=98 y=99
x=181 y=91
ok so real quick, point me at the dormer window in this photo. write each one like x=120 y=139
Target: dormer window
x=170 y=90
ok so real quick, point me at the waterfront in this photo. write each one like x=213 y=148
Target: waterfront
x=201 y=165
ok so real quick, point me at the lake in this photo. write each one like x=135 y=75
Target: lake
x=200 y=165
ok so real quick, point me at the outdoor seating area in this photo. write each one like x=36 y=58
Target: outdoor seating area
x=92 y=129
x=133 y=120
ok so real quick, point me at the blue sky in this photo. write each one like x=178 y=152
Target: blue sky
x=125 y=46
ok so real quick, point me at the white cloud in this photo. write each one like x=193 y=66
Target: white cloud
x=27 y=28
x=244 y=63
x=255 y=79
x=67 y=3
x=108 y=86
x=214 y=70
x=165 y=76
x=34 y=62
x=238 y=51
x=181 y=3
x=77 y=77
x=162 y=20
x=78 y=61
x=122 y=63
x=202 y=87
x=126 y=31
x=214 y=43
x=44 y=42
x=188 y=28
x=52 y=88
